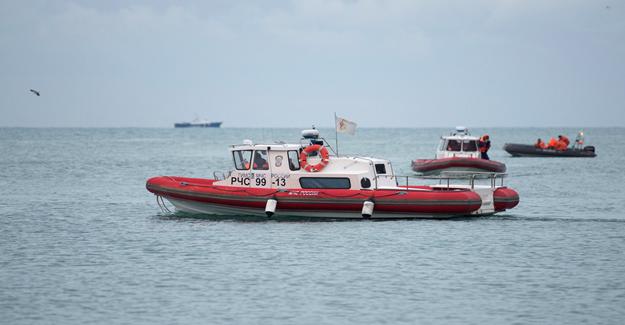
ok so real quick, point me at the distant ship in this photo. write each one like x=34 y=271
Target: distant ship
x=197 y=123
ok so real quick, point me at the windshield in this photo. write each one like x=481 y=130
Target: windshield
x=453 y=145
x=260 y=160
x=242 y=159
x=469 y=145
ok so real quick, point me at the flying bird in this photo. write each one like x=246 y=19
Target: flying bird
x=35 y=92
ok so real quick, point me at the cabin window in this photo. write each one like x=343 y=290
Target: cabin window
x=453 y=145
x=325 y=182
x=469 y=145
x=293 y=160
x=380 y=168
x=242 y=159
x=260 y=160
x=441 y=145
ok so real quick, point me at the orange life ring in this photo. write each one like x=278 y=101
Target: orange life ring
x=303 y=158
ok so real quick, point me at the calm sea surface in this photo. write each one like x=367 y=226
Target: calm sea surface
x=83 y=242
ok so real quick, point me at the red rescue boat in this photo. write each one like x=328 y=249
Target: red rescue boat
x=303 y=180
x=457 y=152
x=203 y=196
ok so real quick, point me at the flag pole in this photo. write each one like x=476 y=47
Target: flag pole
x=336 y=137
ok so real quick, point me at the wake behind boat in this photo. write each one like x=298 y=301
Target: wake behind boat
x=303 y=180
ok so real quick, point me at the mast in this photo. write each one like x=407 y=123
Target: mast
x=336 y=137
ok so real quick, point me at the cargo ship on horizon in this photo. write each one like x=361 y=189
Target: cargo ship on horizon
x=197 y=123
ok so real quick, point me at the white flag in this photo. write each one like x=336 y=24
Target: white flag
x=345 y=126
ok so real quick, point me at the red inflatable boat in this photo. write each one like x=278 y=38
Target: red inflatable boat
x=457 y=152
x=202 y=196
x=303 y=180
x=429 y=166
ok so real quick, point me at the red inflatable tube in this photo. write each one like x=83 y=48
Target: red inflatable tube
x=416 y=200
x=505 y=198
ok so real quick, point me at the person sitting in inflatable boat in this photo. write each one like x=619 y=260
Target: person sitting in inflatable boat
x=552 y=143
x=563 y=143
x=540 y=144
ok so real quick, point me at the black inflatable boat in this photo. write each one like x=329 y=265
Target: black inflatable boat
x=526 y=150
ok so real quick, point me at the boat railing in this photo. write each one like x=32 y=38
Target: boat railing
x=219 y=176
x=451 y=178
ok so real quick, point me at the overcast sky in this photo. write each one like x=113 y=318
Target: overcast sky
x=293 y=63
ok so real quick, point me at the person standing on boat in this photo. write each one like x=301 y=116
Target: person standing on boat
x=579 y=140
x=563 y=142
x=484 y=145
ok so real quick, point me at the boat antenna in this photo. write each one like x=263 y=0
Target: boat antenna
x=336 y=136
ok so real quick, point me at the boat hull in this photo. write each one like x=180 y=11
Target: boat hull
x=200 y=196
x=437 y=166
x=525 y=150
x=227 y=210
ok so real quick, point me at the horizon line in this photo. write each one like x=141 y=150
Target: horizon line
x=300 y=127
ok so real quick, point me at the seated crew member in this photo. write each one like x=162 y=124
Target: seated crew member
x=484 y=145
x=259 y=161
x=453 y=145
x=540 y=144
x=552 y=143
x=562 y=143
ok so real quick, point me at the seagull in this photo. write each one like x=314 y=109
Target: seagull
x=35 y=92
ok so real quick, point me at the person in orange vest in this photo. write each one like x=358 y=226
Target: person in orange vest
x=563 y=143
x=540 y=144
x=484 y=145
x=552 y=143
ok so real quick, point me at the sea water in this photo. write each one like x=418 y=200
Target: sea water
x=83 y=242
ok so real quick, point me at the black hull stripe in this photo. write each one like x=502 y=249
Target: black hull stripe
x=506 y=199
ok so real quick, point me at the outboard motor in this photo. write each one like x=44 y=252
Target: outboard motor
x=589 y=148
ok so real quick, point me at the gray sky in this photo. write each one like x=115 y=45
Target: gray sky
x=293 y=63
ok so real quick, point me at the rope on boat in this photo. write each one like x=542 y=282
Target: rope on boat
x=161 y=204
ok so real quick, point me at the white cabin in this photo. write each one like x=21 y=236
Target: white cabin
x=458 y=144
x=278 y=166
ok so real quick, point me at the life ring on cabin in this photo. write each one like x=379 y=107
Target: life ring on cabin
x=323 y=152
